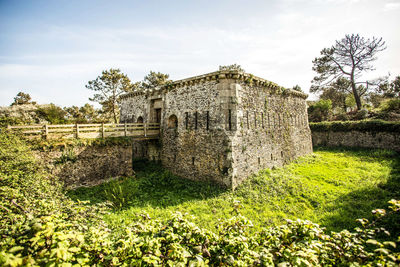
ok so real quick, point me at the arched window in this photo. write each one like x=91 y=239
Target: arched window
x=140 y=119
x=172 y=122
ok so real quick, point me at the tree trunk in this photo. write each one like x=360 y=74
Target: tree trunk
x=356 y=96
x=354 y=89
x=115 y=115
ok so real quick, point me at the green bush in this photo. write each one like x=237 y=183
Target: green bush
x=52 y=113
x=320 y=110
x=391 y=105
x=361 y=114
x=363 y=126
x=342 y=117
x=66 y=156
x=116 y=194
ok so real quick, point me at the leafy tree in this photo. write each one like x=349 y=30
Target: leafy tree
x=21 y=99
x=232 y=67
x=84 y=114
x=109 y=86
x=52 y=113
x=73 y=114
x=320 y=110
x=391 y=105
x=390 y=89
x=338 y=91
x=348 y=58
x=154 y=79
x=89 y=113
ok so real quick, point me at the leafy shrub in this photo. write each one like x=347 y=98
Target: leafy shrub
x=342 y=117
x=116 y=194
x=392 y=105
x=320 y=110
x=66 y=156
x=361 y=114
x=52 y=113
x=7 y=120
x=363 y=126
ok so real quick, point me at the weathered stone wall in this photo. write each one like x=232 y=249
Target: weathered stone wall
x=272 y=129
x=92 y=164
x=196 y=149
x=133 y=108
x=367 y=139
x=223 y=126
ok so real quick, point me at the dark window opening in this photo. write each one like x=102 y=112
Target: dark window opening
x=230 y=119
x=175 y=158
x=192 y=160
x=262 y=120
x=272 y=157
x=140 y=119
x=158 y=115
x=255 y=119
x=207 y=120
x=195 y=120
x=282 y=154
x=172 y=122
x=259 y=161
x=186 y=120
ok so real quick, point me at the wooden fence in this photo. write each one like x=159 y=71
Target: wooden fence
x=101 y=130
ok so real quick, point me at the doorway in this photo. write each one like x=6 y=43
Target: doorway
x=158 y=115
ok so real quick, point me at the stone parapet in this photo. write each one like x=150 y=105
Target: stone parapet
x=235 y=75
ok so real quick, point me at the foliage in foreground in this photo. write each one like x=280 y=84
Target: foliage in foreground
x=39 y=226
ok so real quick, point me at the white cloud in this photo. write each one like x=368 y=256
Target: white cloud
x=391 y=6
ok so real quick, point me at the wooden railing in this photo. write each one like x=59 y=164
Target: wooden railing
x=100 y=130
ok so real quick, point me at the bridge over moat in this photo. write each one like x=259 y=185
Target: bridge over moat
x=139 y=131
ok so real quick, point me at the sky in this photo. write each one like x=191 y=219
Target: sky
x=51 y=49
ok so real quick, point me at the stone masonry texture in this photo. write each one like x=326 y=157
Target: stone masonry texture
x=221 y=127
x=93 y=164
x=366 y=139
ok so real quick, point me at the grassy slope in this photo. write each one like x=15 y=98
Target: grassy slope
x=331 y=187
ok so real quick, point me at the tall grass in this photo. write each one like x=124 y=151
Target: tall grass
x=332 y=187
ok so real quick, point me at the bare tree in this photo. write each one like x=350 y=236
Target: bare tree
x=349 y=58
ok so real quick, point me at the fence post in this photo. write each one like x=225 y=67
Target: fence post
x=145 y=129
x=102 y=130
x=125 y=129
x=46 y=131
x=77 y=130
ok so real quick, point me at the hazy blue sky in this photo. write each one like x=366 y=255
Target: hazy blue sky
x=51 y=49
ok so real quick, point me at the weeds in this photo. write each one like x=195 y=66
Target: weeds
x=116 y=194
x=68 y=155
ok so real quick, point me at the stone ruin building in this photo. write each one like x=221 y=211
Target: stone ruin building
x=221 y=126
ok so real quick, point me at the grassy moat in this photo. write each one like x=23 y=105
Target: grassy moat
x=135 y=221
x=331 y=187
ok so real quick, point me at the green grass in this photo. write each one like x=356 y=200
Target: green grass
x=332 y=187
